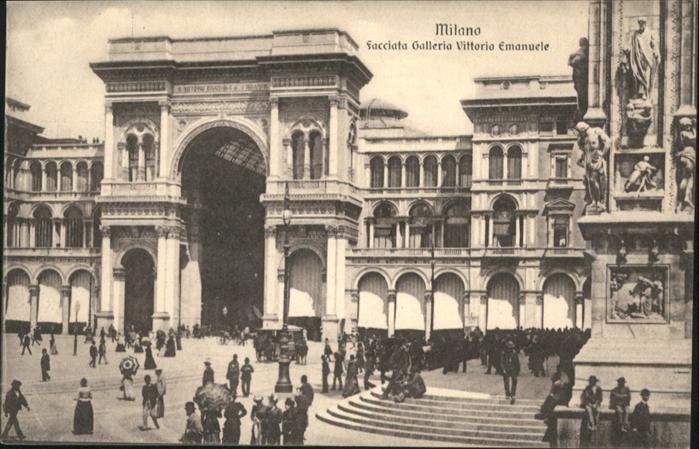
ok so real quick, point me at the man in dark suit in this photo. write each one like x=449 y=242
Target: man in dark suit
x=509 y=364
x=208 y=376
x=14 y=401
x=93 y=355
x=306 y=389
x=26 y=341
x=233 y=374
x=45 y=365
x=325 y=367
x=641 y=421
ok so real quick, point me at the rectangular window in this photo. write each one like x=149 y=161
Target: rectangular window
x=561 y=167
x=560 y=232
x=561 y=127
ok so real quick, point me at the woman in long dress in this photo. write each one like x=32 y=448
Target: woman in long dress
x=162 y=389
x=127 y=386
x=120 y=347
x=170 y=348
x=52 y=345
x=83 y=418
x=137 y=348
x=351 y=382
x=150 y=361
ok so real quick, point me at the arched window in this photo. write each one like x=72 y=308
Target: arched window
x=376 y=165
x=66 y=177
x=385 y=226
x=96 y=231
x=394 y=171
x=448 y=171
x=51 y=177
x=96 y=173
x=514 y=163
x=412 y=172
x=43 y=227
x=315 y=142
x=132 y=150
x=504 y=222
x=495 y=163
x=149 y=154
x=35 y=169
x=82 y=177
x=456 y=226
x=13 y=240
x=74 y=228
x=297 y=149
x=465 y=171
x=430 y=166
x=421 y=227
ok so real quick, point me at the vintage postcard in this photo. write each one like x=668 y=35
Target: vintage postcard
x=349 y=223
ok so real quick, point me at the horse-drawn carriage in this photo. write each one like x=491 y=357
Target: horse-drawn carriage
x=267 y=346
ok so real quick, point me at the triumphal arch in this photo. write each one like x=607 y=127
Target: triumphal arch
x=202 y=138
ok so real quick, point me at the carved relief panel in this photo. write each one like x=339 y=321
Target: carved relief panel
x=637 y=294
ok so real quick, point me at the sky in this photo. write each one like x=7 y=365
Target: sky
x=50 y=46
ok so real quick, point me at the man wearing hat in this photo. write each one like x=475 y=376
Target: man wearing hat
x=619 y=401
x=591 y=400
x=509 y=364
x=257 y=414
x=233 y=413
x=193 y=430
x=208 y=376
x=246 y=376
x=233 y=374
x=14 y=401
x=271 y=431
x=641 y=422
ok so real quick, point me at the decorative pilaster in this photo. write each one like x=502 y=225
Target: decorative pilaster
x=118 y=290
x=65 y=308
x=164 y=150
x=332 y=135
x=391 y=315
x=306 y=158
x=331 y=283
x=109 y=154
x=33 y=305
x=160 y=271
x=275 y=155
x=579 y=310
x=595 y=115
x=428 y=314
x=105 y=315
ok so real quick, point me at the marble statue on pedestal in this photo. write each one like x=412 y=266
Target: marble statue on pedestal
x=595 y=145
x=686 y=160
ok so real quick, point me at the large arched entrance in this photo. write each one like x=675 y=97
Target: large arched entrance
x=306 y=291
x=559 y=302
x=503 y=302
x=139 y=271
x=223 y=175
x=410 y=306
x=372 y=313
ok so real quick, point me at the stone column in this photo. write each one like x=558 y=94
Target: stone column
x=62 y=233
x=595 y=115
x=491 y=232
x=59 y=178
x=391 y=314
x=274 y=150
x=118 y=292
x=579 y=308
x=428 y=313
x=407 y=234
x=385 y=173
x=439 y=173
x=518 y=225
x=332 y=135
x=141 y=162
x=331 y=273
x=65 y=308
x=539 y=300
x=109 y=163
x=465 y=312
x=172 y=282
x=75 y=176
x=306 y=158
x=421 y=175
x=44 y=179
x=165 y=150
x=56 y=241
x=105 y=315
x=32 y=234
x=483 y=318
x=399 y=236
x=354 y=304
x=402 y=174
x=371 y=234
x=340 y=248
x=33 y=305
x=161 y=270
x=270 y=304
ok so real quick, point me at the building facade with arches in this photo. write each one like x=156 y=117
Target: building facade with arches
x=177 y=214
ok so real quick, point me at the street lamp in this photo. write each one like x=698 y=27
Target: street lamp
x=75 y=340
x=432 y=264
x=284 y=381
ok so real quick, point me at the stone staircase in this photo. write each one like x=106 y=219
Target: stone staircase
x=469 y=419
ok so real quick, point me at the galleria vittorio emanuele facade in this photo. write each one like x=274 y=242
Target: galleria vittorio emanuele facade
x=176 y=216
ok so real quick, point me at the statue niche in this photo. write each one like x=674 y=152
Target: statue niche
x=638 y=66
x=595 y=145
x=637 y=293
x=579 y=62
x=685 y=155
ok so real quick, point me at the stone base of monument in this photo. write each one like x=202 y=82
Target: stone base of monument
x=672 y=429
x=664 y=366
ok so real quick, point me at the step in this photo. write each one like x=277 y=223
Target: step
x=467 y=401
x=502 y=412
x=440 y=421
x=341 y=419
x=459 y=396
x=472 y=417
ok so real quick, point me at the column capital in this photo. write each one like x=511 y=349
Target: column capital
x=161 y=231
x=579 y=298
x=33 y=290
x=466 y=297
x=164 y=105
x=65 y=290
x=539 y=297
x=428 y=296
x=108 y=107
x=106 y=231
x=119 y=274
x=334 y=100
x=270 y=231
x=354 y=294
x=391 y=296
x=274 y=102
x=331 y=230
x=280 y=275
x=174 y=232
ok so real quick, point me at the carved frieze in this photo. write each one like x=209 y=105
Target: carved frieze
x=637 y=293
x=219 y=88
x=135 y=86
x=305 y=81
x=223 y=107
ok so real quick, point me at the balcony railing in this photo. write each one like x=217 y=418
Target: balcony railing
x=409 y=252
x=53 y=195
x=419 y=190
x=52 y=252
x=315 y=187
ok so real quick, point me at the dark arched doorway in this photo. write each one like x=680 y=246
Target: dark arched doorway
x=139 y=270
x=223 y=175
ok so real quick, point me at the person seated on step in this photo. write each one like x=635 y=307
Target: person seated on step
x=415 y=387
